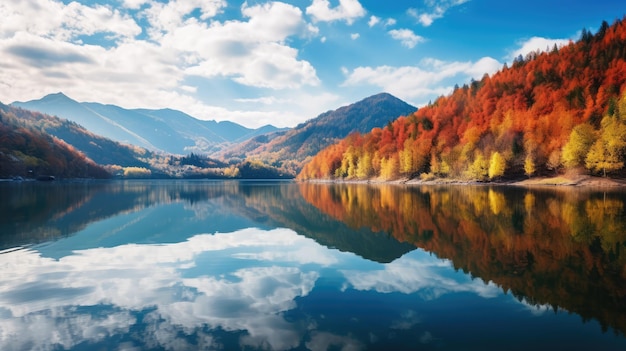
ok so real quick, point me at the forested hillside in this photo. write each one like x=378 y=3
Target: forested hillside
x=290 y=150
x=28 y=152
x=549 y=112
x=32 y=141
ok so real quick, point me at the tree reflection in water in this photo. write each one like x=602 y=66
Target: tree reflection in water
x=559 y=247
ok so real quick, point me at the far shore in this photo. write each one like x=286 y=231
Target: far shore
x=567 y=181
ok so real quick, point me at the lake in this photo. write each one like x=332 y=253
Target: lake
x=203 y=265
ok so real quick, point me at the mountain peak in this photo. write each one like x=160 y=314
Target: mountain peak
x=54 y=98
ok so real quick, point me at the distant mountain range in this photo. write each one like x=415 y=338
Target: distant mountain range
x=290 y=149
x=165 y=130
x=172 y=144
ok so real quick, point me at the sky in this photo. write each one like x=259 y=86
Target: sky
x=260 y=62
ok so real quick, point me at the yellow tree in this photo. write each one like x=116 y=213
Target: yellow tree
x=529 y=165
x=580 y=140
x=605 y=154
x=389 y=168
x=364 y=166
x=479 y=169
x=497 y=165
x=406 y=158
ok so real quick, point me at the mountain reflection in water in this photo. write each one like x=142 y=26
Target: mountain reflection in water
x=280 y=265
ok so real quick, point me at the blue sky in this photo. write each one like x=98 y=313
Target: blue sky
x=280 y=62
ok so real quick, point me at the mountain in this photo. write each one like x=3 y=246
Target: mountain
x=164 y=130
x=122 y=160
x=290 y=149
x=26 y=151
x=62 y=106
x=559 y=110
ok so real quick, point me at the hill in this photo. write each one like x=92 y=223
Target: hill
x=28 y=152
x=289 y=150
x=549 y=112
x=164 y=130
x=121 y=160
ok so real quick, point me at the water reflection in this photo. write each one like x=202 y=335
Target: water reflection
x=192 y=293
x=136 y=211
x=235 y=265
x=564 y=248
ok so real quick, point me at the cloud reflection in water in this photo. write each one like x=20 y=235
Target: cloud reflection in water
x=242 y=282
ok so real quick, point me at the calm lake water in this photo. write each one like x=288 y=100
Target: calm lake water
x=200 y=265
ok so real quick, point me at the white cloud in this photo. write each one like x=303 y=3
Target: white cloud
x=167 y=16
x=536 y=44
x=251 y=53
x=418 y=84
x=134 y=4
x=266 y=100
x=406 y=37
x=435 y=10
x=347 y=10
x=355 y=36
x=373 y=21
x=390 y=22
x=42 y=53
x=53 y=19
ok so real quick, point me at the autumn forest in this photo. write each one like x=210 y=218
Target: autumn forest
x=550 y=112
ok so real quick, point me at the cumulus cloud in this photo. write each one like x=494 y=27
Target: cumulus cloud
x=167 y=16
x=53 y=19
x=355 y=36
x=536 y=44
x=406 y=37
x=134 y=4
x=347 y=10
x=435 y=9
x=373 y=21
x=45 y=49
x=426 y=81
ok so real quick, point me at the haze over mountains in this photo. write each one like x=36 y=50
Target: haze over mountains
x=171 y=144
x=164 y=130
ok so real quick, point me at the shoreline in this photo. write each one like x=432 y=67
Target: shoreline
x=582 y=181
